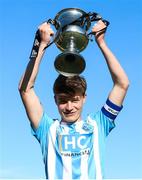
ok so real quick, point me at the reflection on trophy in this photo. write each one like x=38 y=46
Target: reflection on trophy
x=71 y=38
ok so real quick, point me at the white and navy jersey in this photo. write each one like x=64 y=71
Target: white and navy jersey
x=76 y=151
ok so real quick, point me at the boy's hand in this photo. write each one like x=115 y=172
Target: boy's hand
x=99 y=30
x=45 y=32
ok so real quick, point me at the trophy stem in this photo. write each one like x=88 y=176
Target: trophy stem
x=71 y=46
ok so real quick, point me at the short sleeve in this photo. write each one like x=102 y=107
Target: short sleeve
x=104 y=124
x=41 y=132
x=106 y=116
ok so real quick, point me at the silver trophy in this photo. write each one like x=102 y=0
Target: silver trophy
x=72 y=37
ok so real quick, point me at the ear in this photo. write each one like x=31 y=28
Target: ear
x=84 y=98
x=55 y=99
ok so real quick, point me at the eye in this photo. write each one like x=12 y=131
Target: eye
x=62 y=101
x=75 y=100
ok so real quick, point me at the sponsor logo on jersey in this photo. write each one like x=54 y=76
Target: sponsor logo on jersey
x=74 y=143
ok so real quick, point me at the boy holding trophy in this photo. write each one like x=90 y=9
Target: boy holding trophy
x=72 y=147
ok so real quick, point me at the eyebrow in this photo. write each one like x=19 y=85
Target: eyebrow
x=76 y=98
x=67 y=98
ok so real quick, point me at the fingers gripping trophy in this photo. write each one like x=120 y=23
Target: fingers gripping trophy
x=72 y=37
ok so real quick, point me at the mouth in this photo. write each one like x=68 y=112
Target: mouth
x=69 y=113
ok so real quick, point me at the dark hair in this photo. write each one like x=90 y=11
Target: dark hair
x=70 y=85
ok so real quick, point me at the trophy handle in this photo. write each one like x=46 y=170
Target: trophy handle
x=96 y=17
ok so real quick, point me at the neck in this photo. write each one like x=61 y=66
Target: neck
x=71 y=122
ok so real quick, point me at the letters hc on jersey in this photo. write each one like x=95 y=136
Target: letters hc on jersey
x=75 y=142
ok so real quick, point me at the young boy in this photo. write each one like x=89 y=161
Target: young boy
x=72 y=147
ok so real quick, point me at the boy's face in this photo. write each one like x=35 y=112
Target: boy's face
x=70 y=107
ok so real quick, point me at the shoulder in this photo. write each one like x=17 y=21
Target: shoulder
x=108 y=111
x=104 y=119
x=101 y=123
x=44 y=125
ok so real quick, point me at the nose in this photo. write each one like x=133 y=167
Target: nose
x=69 y=106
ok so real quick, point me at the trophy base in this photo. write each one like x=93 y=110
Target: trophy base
x=69 y=63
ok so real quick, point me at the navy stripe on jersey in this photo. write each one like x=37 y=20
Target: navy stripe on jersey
x=111 y=110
